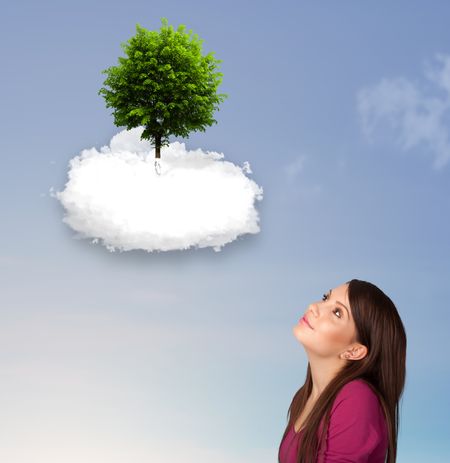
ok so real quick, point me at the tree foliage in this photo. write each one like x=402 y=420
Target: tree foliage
x=164 y=84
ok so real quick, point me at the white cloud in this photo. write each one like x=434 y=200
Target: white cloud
x=415 y=117
x=116 y=197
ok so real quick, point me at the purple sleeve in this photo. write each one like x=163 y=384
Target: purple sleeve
x=357 y=428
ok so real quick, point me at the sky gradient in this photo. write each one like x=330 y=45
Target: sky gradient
x=342 y=111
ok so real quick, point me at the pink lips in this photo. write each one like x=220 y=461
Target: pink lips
x=304 y=319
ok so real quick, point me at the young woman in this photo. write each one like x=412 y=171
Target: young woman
x=347 y=410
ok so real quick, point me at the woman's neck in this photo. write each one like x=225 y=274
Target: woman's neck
x=323 y=370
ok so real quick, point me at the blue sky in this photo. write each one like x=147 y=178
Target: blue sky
x=137 y=357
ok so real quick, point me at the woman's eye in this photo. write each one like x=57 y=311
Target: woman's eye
x=324 y=298
x=339 y=310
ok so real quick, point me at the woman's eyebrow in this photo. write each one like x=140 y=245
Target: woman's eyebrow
x=348 y=311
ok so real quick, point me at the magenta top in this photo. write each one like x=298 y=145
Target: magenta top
x=356 y=433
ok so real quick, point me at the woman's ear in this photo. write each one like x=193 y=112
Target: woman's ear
x=357 y=352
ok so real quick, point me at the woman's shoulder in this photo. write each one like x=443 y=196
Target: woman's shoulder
x=357 y=384
x=357 y=394
x=357 y=429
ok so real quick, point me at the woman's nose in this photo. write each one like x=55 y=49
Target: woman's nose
x=313 y=310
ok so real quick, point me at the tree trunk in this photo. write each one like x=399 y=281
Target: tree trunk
x=158 y=146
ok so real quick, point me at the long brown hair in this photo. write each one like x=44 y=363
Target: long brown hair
x=380 y=329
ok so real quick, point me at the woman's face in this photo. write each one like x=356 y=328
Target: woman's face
x=332 y=329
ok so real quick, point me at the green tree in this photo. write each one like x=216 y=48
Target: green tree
x=165 y=85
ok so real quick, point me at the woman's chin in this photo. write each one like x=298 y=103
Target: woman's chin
x=297 y=330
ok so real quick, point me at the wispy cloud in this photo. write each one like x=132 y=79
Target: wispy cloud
x=296 y=183
x=414 y=116
x=293 y=169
